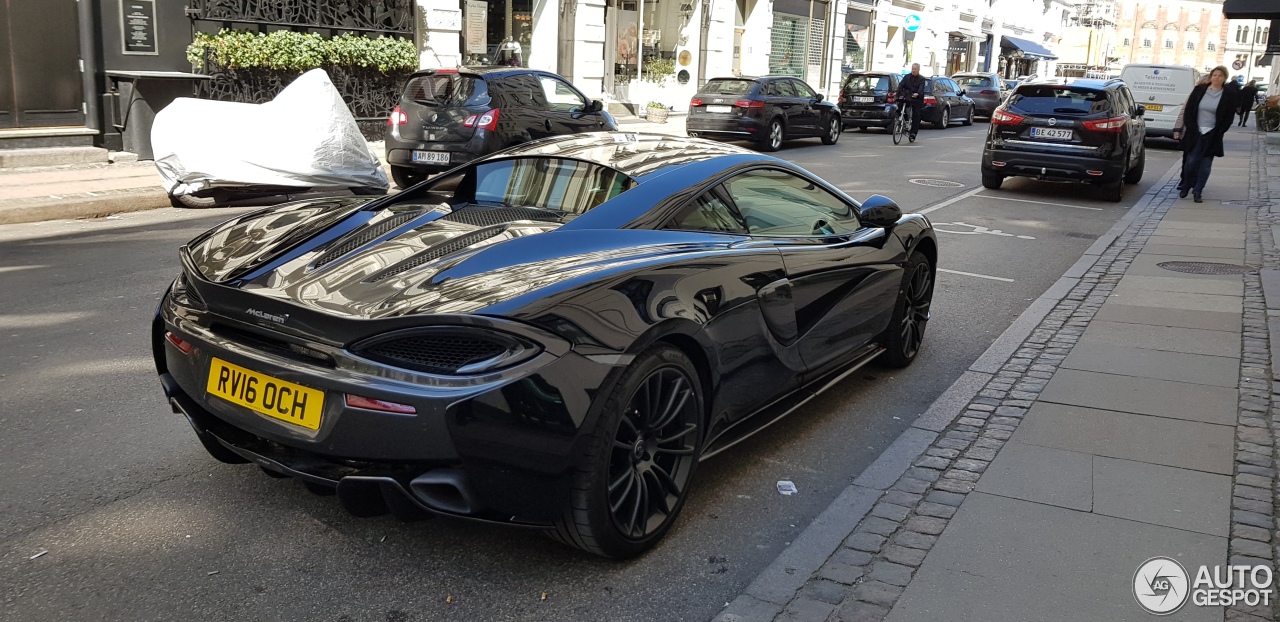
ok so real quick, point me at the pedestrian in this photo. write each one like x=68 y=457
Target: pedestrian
x=1247 y=96
x=1207 y=115
x=911 y=93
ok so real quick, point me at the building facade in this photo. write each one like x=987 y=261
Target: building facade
x=1246 y=47
x=1172 y=32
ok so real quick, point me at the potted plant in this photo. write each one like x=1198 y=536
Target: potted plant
x=657 y=112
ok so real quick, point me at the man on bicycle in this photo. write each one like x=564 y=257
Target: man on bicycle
x=911 y=93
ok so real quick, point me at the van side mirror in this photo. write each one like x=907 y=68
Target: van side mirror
x=879 y=211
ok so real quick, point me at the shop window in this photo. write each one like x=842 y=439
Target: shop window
x=855 y=47
x=788 y=45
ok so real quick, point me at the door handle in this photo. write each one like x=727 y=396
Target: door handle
x=547 y=123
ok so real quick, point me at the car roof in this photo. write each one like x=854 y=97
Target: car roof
x=1088 y=83
x=480 y=70
x=637 y=155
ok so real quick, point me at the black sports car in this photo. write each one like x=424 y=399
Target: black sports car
x=551 y=336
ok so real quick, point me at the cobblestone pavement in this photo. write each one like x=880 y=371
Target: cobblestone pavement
x=865 y=577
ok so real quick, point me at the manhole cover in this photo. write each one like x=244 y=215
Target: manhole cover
x=1248 y=203
x=1203 y=267
x=936 y=183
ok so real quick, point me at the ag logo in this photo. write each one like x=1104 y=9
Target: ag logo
x=1053 y=121
x=1161 y=585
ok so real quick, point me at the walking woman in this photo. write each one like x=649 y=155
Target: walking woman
x=1209 y=112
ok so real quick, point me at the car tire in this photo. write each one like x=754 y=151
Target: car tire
x=772 y=140
x=833 y=132
x=692 y=134
x=405 y=176
x=968 y=120
x=189 y=202
x=1134 y=175
x=944 y=119
x=992 y=180
x=904 y=337
x=1113 y=191
x=623 y=452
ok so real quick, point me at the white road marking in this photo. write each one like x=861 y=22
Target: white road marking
x=981 y=276
x=954 y=199
x=977 y=229
x=957 y=162
x=992 y=196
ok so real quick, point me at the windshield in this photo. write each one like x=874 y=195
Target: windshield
x=973 y=80
x=556 y=184
x=1058 y=99
x=867 y=83
x=727 y=87
x=443 y=89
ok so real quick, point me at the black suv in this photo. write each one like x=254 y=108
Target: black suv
x=766 y=110
x=868 y=99
x=447 y=117
x=1068 y=129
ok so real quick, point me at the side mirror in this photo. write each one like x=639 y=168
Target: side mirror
x=595 y=106
x=817 y=97
x=1141 y=111
x=962 y=91
x=879 y=211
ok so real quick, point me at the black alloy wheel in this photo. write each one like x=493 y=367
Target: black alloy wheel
x=1134 y=175
x=944 y=120
x=773 y=140
x=833 y=131
x=905 y=335
x=635 y=474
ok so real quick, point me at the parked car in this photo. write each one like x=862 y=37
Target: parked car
x=765 y=110
x=551 y=337
x=448 y=117
x=1162 y=90
x=869 y=99
x=1068 y=129
x=985 y=89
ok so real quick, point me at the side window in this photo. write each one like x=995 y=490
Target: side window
x=802 y=89
x=523 y=90
x=783 y=88
x=781 y=204
x=707 y=213
x=560 y=96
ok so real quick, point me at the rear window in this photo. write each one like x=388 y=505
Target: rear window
x=727 y=87
x=558 y=184
x=967 y=81
x=444 y=89
x=1057 y=99
x=867 y=83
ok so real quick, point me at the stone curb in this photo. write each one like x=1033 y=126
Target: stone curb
x=82 y=207
x=804 y=587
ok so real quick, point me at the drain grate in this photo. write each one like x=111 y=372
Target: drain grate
x=936 y=183
x=1204 y=267
x=1248 y=203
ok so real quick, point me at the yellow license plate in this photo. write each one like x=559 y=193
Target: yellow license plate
x=1155 y=107
x=263 y=394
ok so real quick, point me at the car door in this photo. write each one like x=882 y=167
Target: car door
x=567 y=108
x=842 y=277
x=1137 y=126
x=783 y=99
x=947 y=97
x=808 y=121
x=523 y=107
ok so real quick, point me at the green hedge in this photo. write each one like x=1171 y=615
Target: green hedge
x=296 y=51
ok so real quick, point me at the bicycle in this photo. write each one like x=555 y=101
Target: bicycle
x=1267 y=119
x=901 y=123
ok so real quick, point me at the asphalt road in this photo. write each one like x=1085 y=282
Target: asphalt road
x=140 y=524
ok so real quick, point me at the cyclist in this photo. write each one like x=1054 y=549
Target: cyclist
x=911 y=93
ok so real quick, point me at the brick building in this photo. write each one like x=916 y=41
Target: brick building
x=1177 y=32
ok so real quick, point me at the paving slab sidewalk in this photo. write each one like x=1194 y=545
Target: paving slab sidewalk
x=1136 y=420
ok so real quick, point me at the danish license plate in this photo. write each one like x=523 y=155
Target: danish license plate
x=720 y=109
x=265 y=395
x=1048 y=132
x=1154 y=107
x=863 y=100
x=433 y=157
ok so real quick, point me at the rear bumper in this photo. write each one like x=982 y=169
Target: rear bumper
x=740 y=127
x=1051 y=166
x=881 y=116
x=400 y=151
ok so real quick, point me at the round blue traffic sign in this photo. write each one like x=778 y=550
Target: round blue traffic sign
x=913 y=22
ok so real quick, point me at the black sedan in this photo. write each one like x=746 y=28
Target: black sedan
x=551 y=337
x=765 y=110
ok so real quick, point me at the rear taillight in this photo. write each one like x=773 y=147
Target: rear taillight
x=179 y=343
x=368 y=403
x=893 y=98
x=1113 y=125
x=695 y=102
x=1000 y=117
x=471 y=121
x=840 y=98
x=930 y=100
x=749 y=103
x=488 y=120
x=988 y=93
x=398 y=117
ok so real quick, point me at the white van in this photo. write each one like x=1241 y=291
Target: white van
x=1162 y=90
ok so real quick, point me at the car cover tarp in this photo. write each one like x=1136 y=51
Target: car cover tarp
x=304 y=138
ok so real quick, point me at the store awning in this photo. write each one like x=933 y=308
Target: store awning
x=1251 y=9
x=968 y=36
x=1029 y=49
